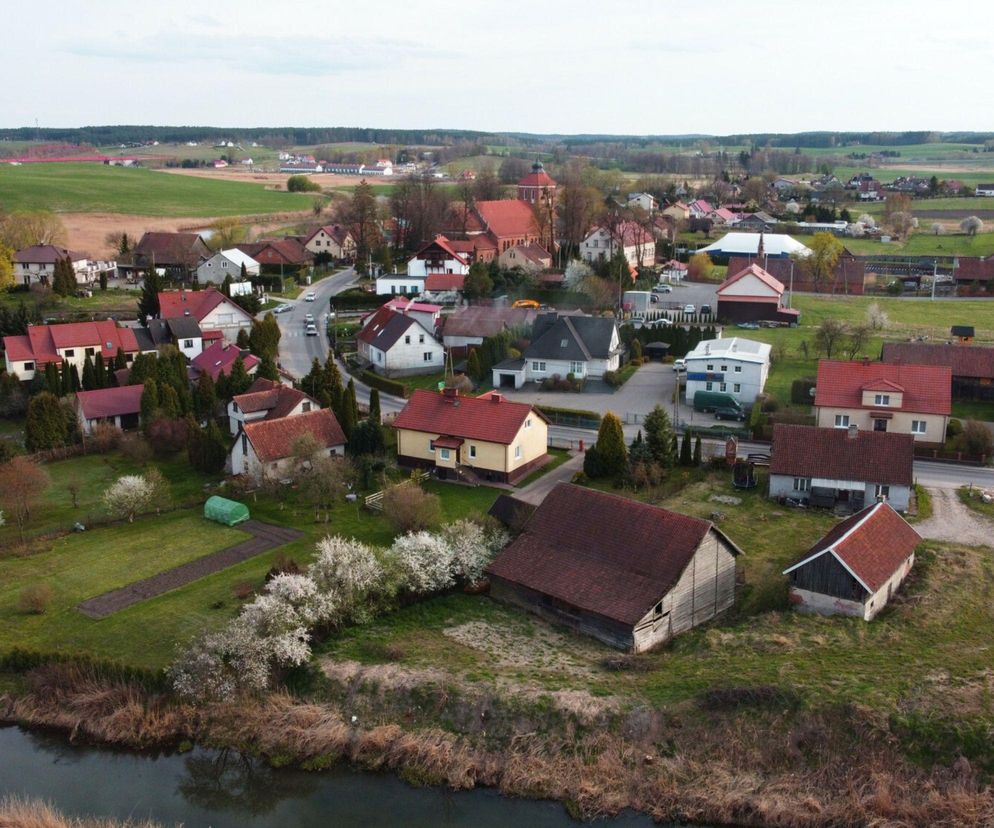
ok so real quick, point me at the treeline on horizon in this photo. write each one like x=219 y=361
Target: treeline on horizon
x=310 y=136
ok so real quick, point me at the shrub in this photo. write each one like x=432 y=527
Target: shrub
x=612 y=378
x=770 y=404
x=136 y=449
x=105 y=438
x=244 y=590
x=283 y=565
x=800 y=391
x=954 y=429
x=388 y=386
x=129 y=495
x=975 y=439
x=409 y=508
x=35 y=599
x=167 y=436
x=302 y=184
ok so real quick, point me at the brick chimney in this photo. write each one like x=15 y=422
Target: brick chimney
x=496 y=398
x=853 y=431
x=450 y=392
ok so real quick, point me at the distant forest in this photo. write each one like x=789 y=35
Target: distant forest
x=310 y=136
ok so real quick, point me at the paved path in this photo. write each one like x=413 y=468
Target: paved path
x=954 y=522
x=264 y=537
x=536 y=491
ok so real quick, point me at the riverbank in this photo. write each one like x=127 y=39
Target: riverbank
x=32 y=813
x=754 y=759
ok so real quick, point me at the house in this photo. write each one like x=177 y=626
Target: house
x=848 y=276
x=399 y=284
x=738 y=367
x=831 y=466
x=334 y=240
x=752 y=294
x=71 y=341
x=678 y=211
x=757 y=222
x=394 y=344
x=531 y=258
x=265 y=448
x=37 y=264
x=118 y=406
x=437 y=257
x=538 y=187
x=985 y=190
x=644 y=201
x=673 y=271
x=856 y=568
x=462 y=437
x=226 y=263
x=182 y=331
x=468 y=327
x=630 y=238
x=904 y=398
x=972 y=270
x=210 y=308
x=177 y=253
x=722 y=216
x=972 y=367
x=584 y=346
x=267 y=400
x=428 y=315
x=774 y=246
x=627 y=573
x=218 y=359
x=278 y=254
x=700 y=209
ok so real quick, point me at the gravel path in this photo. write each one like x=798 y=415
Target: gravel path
x=264 y=537
x=953 y=521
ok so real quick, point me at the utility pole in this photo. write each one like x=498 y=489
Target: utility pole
x=935 y=274
x=790 y=290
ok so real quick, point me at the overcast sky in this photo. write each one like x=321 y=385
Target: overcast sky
x=570 y=66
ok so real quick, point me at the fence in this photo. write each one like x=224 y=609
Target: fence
x=374 y=501
x=570 y=418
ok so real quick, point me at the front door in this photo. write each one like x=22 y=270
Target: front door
x=879 y=425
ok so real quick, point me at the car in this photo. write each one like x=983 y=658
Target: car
x=282 y=308
x=309 y=319
x=661 y=322
x=637 y=321
x=653 y=299
x=748 y=326
x=311 y=297
x=662 y=289
x=311 y=330
x=689 y=309
x=705 y=310
x=679 y=365
x=729 y=414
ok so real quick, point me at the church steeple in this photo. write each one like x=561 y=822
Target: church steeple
x=760 y=251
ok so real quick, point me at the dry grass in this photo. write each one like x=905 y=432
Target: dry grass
x=16 y=812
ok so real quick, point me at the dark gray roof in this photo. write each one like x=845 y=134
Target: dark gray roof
x=158 y=332
x=385 y=328
x=145 y=341
x=184 y=327
x=576 y=338
x=511 y=364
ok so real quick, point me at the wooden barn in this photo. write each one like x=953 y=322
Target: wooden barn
x=627 y=573
x=856 y=568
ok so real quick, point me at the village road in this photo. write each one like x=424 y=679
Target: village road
x=954 y=522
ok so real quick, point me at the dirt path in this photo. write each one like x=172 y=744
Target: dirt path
x=536 y=492
x=953 y=521
x=264 y=537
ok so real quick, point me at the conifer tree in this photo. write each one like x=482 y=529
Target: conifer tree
x=374 y=405
x=149 y=403
x=698 y=451
x=686 y=457
x=611 y=450
x=89 y=375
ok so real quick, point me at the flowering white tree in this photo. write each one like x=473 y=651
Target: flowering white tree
x=575 y=274
x=868 y=221
x=971 y=225
x=220 y=664
x=350 y=569
x=472 y=548
x=425 y=561
x=127 y=496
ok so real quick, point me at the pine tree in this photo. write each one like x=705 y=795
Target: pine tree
x=226 y=285
x=374 y=405
x=659 y=436
x=473 y=366
x=149 y=403
x=611 y=450
x=242 y=340
x=52 y=380
x=120 y=360
x=204 y=398
x=206 y=450
x=148 y=303
x=74 y=383
x=103 y=280
x=348 y=414
x=698 y=452
x=238 y=379
x=267 y=368
x=125 y=246
x=46 y=426
x=89 y=375
x=685 y=454
x=169 y=405
x=65 y=378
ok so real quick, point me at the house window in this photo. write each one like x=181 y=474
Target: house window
x=880 y=424
x=70 y=353
x=881 y=399
x=738 y=369
x=528 y=423
x=187 y=343
x=443 y=453
x=379 y=356
x=427 y=356
x=431 y=445
x=563 y=343
x=722 y=387
x=881 y=490
x=407 y=339
x=802 y=484
x=517 y=452
x=576 y=367
x=710 y=366
x=129 y=357
x=736 y=388
x=472 y=452
x=244 y=443
x=305 y=407
x=709 y=386
x=918 y=426
x=538 y=366
x=421 y=339
x=842 y=421
x=657 y=611
x=89 y=351
x=29 y=366
x=724 y=367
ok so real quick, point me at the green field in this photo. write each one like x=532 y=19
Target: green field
x=922 y=243
x=875 y=208
x=95 y=188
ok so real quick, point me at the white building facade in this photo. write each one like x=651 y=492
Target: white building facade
x=738 y=367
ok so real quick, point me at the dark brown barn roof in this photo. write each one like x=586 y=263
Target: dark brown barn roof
x=606 y=554
x=964 y=360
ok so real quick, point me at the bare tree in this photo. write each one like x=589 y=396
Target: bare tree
x=857 y=339
x=971 y=225
x=23 y=228
x=829 y=336
x=876 y=317
x=937 y=229
x=22 y=483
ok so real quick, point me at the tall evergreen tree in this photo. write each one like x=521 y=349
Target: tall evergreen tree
x=611 y=450
x=686 y=458
x=267 y=368
x=169 y=405
x=53 y=382
x=120 y=360
x=148 y=303
x=238 y=379
x=46 y=426
x=348 y=416
x=99 y=370
x=65 y=377
x=374 y=405
x=698 y=451
x=243 y=340
x=659 y=436
x=125 y=246
x=149 y=403
x=89 y=375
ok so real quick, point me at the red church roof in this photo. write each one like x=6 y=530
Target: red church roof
x=508 y=218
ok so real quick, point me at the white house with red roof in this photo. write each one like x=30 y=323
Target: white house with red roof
x=117 y=406
x=394 y=343
x=488 y=436
x=267 y=400
x=210 y=308
x=752 y=294
x=635 y=241
x=907 y=399
x=857 y=567
x=437 y=257
x=71 y=341
x=265 y=448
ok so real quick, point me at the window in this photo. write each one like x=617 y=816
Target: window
x=881 y=399
x=379 y=356
x=443 y=453
x=244 y=443
x=472 y=452
x=802 y=484
x=305 y=407
x=517 y=452
x=89 y=351
x=431 y=445
x=421 y=339
x=736 y=388
x=918 y=426
x=657 y=610
x=842 y=421
x=528 y=423
x=722 y=387
x=29 y=366
x=187 y=343
x=880 y=424
x=724 y=367
x=129 y=357
x=538 y=366
x=70 y=353
x=576 y=367
x=710 y=366
x=563 y=343
x=738 y=369
x=407 y=339
x=881 y=490
x=709 y=386
x=427 y=356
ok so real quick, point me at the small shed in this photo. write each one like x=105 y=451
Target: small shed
x=228 y=512
x=656 y=350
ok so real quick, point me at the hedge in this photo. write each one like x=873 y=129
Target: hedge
x=388 y=386
x=21 y=660
x=356 y=299
x=800 y=391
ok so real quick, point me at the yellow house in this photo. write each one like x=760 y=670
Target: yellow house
x=490 y=436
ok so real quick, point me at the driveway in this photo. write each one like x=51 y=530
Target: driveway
x=954 y=522
x=536 y=492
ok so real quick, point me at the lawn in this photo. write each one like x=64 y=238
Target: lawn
x=95 y=188
x=923 y=243
x=974 y=410
x=103 y=302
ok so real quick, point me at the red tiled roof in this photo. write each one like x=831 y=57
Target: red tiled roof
x=444 y=281
x=385 y=327
x=537 y=179
x=270 y=396
x=199 y=303
x=41 y=341
x=927 y=388
x=110 y=402
x=288 y=250
x=443 y=244
x=46 y=254
x=335 y=231
x=963 y=360
x=475 y=418
x=605 y=554
x=751 y=270
x=871 y=456
x=218 y=359
x=274 y=439
x=508 y=218
x=872 y=545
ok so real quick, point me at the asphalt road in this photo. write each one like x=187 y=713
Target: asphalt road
x=297 y=350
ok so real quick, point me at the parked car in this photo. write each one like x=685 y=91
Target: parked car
x=689 y=309
x=748 y=326
x=705 y=310
x=725 y=413
x=311 y=297
x=309 y=319
x=661 y=322
x=662 y=289
x=282 y=308
x=637 y=321
x=311 y=330
x=679 y=365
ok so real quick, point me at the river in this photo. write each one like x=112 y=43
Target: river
x=222 y=789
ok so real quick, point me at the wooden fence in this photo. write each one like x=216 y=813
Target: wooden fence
x=374 y=501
